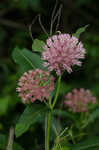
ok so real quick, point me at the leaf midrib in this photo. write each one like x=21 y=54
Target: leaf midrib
x=27 y=59
x=27 y=126
x=88 y=146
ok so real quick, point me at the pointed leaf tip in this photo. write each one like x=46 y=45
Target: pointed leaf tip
x=80 y=30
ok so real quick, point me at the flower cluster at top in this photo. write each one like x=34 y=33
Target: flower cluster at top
x=35 y=85
x=78 y=100
x=61 y=52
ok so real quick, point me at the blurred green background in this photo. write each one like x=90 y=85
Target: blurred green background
x=15 y=18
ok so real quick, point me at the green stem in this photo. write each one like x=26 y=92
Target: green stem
x=49 y=118
x=48 y=130
x=57 y=92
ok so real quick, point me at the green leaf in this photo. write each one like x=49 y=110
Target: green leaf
x=90 y=143
x=27 y=60
x=37 y=45
x=63 y=113
x=94 y=115
x=80 y=30
x=4 y=142
x=31 y=115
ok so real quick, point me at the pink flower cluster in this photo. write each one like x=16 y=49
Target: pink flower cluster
x=35 y=85
x=78 y=100
x=61 y=52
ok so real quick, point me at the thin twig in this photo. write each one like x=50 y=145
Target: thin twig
x=58 y=12
x=54 y=10
x=53 y=13
x=42 y=25
x=30 y=27
x=55 y=17
x=58 y=21
x=10 y=139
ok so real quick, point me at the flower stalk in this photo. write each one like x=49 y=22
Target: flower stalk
x=47 y=144
x=50 y=115
x=57 y=92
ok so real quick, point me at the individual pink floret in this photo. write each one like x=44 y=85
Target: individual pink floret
x=61 y=52
x=78 y=100
x=35 y=85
